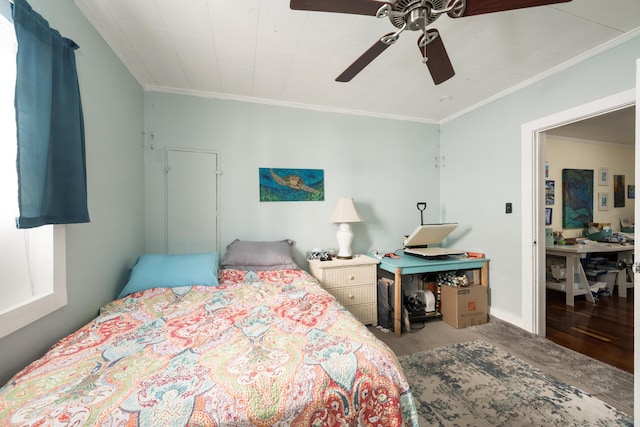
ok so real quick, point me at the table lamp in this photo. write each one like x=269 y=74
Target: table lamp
x=344 y=214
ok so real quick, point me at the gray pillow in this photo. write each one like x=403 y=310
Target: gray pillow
x=259 y=256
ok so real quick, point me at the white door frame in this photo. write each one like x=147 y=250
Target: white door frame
x=532 y=178
x=636 y=275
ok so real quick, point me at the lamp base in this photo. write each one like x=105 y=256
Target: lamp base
x=344 y=236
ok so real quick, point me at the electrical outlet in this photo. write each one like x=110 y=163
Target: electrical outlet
x=509 y=208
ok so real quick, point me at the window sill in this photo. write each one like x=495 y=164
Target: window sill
x=39 y=306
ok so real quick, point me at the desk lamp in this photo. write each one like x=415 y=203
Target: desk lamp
x=344 y=214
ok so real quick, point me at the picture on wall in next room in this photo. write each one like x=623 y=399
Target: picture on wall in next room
x=618 y=191
x=577 y=197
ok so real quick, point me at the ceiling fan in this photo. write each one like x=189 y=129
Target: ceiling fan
x=413 y=15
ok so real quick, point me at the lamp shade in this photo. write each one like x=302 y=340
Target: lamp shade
x=345 y=211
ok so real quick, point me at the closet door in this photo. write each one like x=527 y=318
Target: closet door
x=191 y=201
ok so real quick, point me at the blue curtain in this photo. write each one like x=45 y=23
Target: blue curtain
x=52 y=177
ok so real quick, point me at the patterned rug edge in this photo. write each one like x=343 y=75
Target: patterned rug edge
x=472 y=383
x=611 y=384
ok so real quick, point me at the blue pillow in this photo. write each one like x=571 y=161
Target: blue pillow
x=168 y=271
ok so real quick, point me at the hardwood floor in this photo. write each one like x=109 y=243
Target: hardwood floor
x=603 y=330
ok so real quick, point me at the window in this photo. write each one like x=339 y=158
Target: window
x=33 y=260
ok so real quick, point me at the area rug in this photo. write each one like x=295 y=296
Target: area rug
x=607 y=382
x=477 y=384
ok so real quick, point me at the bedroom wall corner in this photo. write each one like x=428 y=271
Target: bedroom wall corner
x=385 y=165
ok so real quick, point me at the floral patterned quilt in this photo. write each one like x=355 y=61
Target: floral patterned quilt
x=263 y=348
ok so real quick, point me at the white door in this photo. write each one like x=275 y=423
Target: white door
x=191 y=201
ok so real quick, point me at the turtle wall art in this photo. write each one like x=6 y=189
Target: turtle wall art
x=287 y=185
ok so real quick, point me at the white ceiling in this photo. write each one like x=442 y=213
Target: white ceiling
x=616 y=127
x=261 y=50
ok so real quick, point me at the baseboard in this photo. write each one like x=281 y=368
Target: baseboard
x=508 y=317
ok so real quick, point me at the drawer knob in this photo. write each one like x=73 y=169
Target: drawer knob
x=351 y=277
x=351 y=296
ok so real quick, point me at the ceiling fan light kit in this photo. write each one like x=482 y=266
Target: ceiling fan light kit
x=413 y=15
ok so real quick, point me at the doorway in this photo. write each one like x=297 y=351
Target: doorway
x=601 y=329
x=533 y=188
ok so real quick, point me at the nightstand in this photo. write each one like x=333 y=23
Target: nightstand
x=352 y=282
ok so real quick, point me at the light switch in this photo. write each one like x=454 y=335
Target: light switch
x=509 y=208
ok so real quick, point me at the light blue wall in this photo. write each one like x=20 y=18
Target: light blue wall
x=387 y=166
x=483 y=152
x=98 y=253
x=377 y=161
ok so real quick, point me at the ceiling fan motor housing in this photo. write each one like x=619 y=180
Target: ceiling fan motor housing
x=417 y=13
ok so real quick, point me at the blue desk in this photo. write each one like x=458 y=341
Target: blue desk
x=408 y=264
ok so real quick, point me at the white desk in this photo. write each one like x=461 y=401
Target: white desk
x=573 y=253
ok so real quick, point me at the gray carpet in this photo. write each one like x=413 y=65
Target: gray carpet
x=608 y=383
x=479 y=384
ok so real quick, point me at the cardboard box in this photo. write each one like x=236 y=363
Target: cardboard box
x=464 y=306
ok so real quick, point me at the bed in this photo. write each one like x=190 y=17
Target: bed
x=258 y=342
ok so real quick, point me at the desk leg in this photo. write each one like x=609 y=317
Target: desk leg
x=584 y=283
x=570 y=264
x=621 y=279
x=623 y=284
x=397 y=304
x=484 y=274
x=574 y=266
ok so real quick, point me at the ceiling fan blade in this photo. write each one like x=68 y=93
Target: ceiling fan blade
x=364 y=60
x=356 y=7
x=438 y=60
x=478 y=7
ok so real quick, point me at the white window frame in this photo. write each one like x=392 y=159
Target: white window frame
x=46 y=268
x=20 y=315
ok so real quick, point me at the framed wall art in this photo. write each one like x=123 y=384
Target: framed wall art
x=547 y=216
x=631 y=191
x=603 y=176
x=603 y=201
x=618 y=191
x=291 y=185
x=549 y=192
x=577 y=197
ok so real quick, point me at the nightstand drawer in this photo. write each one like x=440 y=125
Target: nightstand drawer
x=349 y=276
x=352 y=282
x=350 y=295
x=366 y=313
